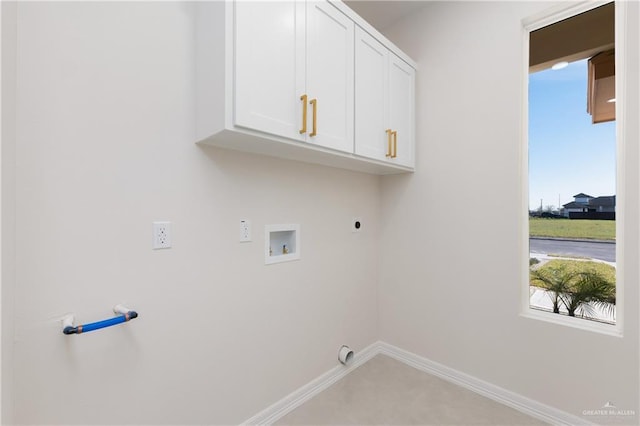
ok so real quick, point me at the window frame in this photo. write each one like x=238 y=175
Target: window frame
x=532 y=23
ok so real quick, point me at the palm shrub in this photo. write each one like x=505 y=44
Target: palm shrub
x=578 y=288
x=556 y=280
x=590 y=289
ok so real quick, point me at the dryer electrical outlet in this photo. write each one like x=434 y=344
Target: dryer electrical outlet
x=356 y=224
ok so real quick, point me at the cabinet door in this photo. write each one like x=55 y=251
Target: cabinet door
x=371 y=97
x=402 y=109
x=329 y=73
x=269 y=53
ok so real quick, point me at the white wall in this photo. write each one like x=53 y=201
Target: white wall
x=8 y=189
x=451 y=291
x=105 y=135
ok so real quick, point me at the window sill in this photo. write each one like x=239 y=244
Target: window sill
x=614 y=330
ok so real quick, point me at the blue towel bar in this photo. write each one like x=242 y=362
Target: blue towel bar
x=126 y=314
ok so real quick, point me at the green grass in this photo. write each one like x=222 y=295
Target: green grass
x=567 y=228
x=607 y=272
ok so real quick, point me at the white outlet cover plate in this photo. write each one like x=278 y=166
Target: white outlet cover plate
x=161 y=235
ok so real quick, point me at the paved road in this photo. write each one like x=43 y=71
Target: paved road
x=602 y=251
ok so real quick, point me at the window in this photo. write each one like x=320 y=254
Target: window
x=571 y=181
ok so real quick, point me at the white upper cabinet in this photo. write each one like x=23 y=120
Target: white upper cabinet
x=385 y=103
x=294 y=63
x=268 y=77
x=402 y=84
x=280 y=78
x=329 y=73
x=372 y=100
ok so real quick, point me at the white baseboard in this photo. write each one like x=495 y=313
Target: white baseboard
x=510 y=399
x=518 y=402
x=292 y=401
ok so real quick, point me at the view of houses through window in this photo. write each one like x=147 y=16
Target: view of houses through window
x=572 y=171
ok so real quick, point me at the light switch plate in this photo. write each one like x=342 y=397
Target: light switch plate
x=245 y=231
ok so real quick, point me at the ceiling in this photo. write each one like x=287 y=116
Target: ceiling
x=383 y=13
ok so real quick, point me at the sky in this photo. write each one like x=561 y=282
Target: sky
x=567 y=154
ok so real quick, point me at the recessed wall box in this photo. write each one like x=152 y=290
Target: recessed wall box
x=282 y=243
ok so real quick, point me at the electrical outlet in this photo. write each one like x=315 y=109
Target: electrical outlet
x=161 y=235
x=245 y=231
x=356 y=224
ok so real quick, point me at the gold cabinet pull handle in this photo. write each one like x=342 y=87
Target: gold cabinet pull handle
x=303 y=98
x=314 y=103
x=395 y=144
x=389 y=133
